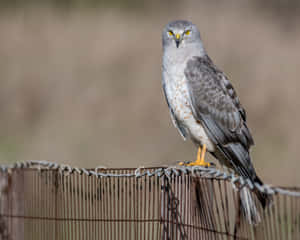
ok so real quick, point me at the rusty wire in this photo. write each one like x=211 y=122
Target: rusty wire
x=60 y=202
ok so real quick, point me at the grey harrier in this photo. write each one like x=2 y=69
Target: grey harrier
x=203 y=104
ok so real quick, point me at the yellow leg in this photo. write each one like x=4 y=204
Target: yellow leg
x=200 y=158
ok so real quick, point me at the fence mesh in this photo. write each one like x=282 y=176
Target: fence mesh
x=51 y=203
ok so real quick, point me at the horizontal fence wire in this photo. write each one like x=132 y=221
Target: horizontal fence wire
x=43 y=200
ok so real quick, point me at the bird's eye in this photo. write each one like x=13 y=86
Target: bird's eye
x=188 y=32
x=170 y=33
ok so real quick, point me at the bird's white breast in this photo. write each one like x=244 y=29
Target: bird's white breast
x=178 y=97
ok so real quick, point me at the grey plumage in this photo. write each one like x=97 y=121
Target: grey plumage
x=203 y=104
x=220 y=112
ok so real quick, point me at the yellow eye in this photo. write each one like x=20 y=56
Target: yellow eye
x=171 y=33
x=188 y=32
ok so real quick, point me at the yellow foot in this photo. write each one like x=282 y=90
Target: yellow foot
x=199 y=163
x=200 y=159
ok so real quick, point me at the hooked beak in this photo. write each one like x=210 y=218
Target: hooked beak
x=177 y=40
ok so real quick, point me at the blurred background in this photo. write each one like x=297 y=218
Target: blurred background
x=81 y=80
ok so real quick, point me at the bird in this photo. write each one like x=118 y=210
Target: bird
x=203 y=104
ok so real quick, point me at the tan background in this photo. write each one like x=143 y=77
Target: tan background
x=82 y=85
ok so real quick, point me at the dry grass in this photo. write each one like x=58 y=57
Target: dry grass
x=85 y=87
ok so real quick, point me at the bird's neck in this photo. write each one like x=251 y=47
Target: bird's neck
x=173 y=55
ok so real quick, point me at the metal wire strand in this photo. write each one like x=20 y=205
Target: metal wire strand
x=44 y=200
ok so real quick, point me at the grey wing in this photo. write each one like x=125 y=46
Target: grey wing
x=215 y=104
x=180 y=128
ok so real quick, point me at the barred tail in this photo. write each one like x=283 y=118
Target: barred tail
x=248 y=207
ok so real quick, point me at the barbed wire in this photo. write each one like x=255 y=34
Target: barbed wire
x=238 y=182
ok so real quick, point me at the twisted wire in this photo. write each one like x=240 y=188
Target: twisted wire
x=169 y=172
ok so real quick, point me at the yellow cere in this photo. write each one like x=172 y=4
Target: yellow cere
x=177 y=36
x=188 y=32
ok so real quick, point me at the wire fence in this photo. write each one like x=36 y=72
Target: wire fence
x=43 y=200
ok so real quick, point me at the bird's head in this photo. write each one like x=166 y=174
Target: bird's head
x=180 y=33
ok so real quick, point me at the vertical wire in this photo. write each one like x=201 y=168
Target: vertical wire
x=162 y=209
x=150 y=208
x=177 y=203
x=168 y=207
x=57 y=198
x=74 y=212
x=26 y=197
x=223 y=208
x=51 y=205
x=190 y=212
x=119 y=193
x=155 y=225
x=286 y=217
x=96 y=210
x=109 y=207
x=127 y=198
x=292 y=211
x=207 y=211
x=86 y=218
x=135 y=210
x=297 y=225
x=105 y=208
x=102 y=212
x=66 y=207
x=145 y=207
x=99 y=204
x=69 y=206
x=32 y=204
x=159 y=199
x=123 y=206
x=56 y=185
x=78 y=208
x=275 y=227
x=46 y=207
x=185 y=207
x=297 y=219
x=277 y=204
x=210 y=197
x=62 y=222
x=139 y=206
x=116 y=208
x=131 y=212
x=142 y=202
x=182 y=202
x=98 y=200
x=269 y=218
x=85 y=189
x=190 y=208
x=89 y=216
x=118 y=202
x=28 y=205
x=37 y=204
x=48 y=202
x=72 y=186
